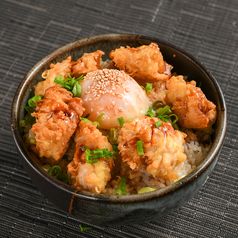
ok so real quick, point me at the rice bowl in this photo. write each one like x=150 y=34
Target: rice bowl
x=194 y=151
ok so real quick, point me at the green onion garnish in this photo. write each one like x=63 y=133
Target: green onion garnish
x=148 y=87
x=146 y=190
x=156 y=102
x=121 y=189
x=158 y=123
x=121 y=121
x=46 y=167
x=86 y=120
x=55 y=171
x=115 y=147
x=85 y=228
x=113 y=135
x=99 y=117
x=36 y=98
x=176 y=126
x=32 y=141
x=71 y=84
x=63 y=178
x=29 y=109
x=176 y=118
x=22 y=123
x=91 y=156
x=140 y=149
x=163 y=110
x=150 y=113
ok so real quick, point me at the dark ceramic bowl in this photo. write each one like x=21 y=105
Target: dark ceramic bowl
x=115 y=210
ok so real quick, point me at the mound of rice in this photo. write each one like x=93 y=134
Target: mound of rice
x=196 y=148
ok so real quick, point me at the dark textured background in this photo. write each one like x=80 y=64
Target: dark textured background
x=208 y=29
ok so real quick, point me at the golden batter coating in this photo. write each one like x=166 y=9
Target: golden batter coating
x=57 y=118
x=190 y=104
x=158 y=92
x=87 y=63
x=57 y=69
x=144 y=63
x=163 y=146
x=92 y=177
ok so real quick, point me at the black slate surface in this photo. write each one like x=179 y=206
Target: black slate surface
x=208 y=29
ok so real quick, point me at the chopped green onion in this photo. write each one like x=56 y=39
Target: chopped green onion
x=163 y=110
x=158 y=123
x=36 y=98
x=71 y=84
x=85 y=228
x=176 y=118
x=115 y=147
x=146 y=190
x=91 y=156
x=63 y=178
x=113 y=135
x=32 y=141
x=121 y=121
x=30 y=119
x=176 y=126
x=148 y=87
x=164 y=118
x=130 y=119
x=22 y=123
x=86 y=120
x=156 y=102
x=99 y=117
x=87 y=154
x=150 y=113
x=46 y=167
x=55 y=171
x=29 y=109
x=121 y=189
x=140 y=149
x=77 y=90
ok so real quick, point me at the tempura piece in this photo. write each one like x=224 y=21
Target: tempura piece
x=87 y=63
x=144 y=63
x=190 y=104
x=163 y=146
x=57 y=118
x=92 y=177
x=158 y=92
x=49 y=75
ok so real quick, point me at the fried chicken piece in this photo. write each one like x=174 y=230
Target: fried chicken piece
x=87 y=63
x=91 y=177
x=190 y=104
x=158 y=92
x=57 y=118
x=163 y=146
x=49 y=75
x=144 y=63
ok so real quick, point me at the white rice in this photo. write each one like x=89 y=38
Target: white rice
x=140 y=178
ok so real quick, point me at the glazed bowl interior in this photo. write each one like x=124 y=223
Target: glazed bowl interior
x=183 y=63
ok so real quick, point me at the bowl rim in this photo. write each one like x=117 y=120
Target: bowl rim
x=214 y=151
